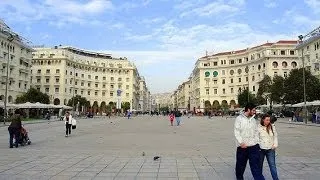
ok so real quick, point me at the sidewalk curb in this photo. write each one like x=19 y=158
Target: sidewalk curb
x=300 y=124
x=27 y=122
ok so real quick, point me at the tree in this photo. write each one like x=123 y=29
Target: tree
x=293 y=87
x=277 y=89
x=243 y=98
x=207 y=106
x=264 y=87
x=82 y=102
x=33 y=95
x=125 y=106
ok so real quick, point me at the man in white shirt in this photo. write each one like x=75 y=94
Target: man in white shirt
x=246 y=133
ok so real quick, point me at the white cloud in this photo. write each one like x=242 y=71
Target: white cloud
x=213 y=8
x=56 y=12
x=314 y=5
x=270 y=3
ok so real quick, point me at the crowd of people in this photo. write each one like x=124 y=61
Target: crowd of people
x=254 y=141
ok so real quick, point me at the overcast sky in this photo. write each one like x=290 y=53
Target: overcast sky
x=163 y=37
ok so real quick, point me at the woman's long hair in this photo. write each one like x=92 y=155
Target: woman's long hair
x=269 y=126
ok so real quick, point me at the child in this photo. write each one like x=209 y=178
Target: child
x=171 y=117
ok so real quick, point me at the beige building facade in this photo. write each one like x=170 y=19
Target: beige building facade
x=64 y=72
x=15 y=50
x=162 y=100
x=183 y=96
x=219 y=78
x=309 y=51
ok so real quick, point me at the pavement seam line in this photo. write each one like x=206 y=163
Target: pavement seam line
x=195 y=168
x=121 y=169
x=105 y=167
x=141 y=166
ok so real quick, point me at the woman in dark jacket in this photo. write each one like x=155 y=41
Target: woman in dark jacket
x=14 y=128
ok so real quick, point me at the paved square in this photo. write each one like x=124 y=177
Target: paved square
x=102 y=148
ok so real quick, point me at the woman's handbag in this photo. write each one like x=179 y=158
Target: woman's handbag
x=74 y=124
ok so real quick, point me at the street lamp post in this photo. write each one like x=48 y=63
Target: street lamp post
x=304 y=82
x=74 y=86
x=247 y=71
x=10 y=39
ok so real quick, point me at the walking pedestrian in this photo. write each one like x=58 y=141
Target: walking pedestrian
x=268 y=142
x=171 y=117
x=246 y=134
x=178 y=115
x=68 y=122
x=14 y=128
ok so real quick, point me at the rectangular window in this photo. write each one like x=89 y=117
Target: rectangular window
x=285 y=74
x=253 y=78
x=47 y=80
x=119 y=86
x=70 y=73
x=291 y=52
x=96 y=77
x=127 y=86
x=47 y=90
x=112 y=78
x=283 y=52
x=82 y=75
x=89 y=84
x=76 y=83
x=19 y=85
x=231 y=90
x=56 y=90
x=119 y=79
x=38 y=80
x=127 y=94
x=76 y=74
x=70 y=90
x=57 y=80
x=207 y=91
x=317 y=56
x=48 y=71
x=104 y=86
x=247 y=79
x=223 y=72
x=111 y=86
x=231 y=81
x=88 y=93
x=82 y=83
x=89 y=76
x=104 y=78
x=57 y=71
x=39 y=71
x=103 y=93
x=231 y=61
x=253 y=88
x=215 y=91
x=240 y=60
x=215 y=63
x=70 y=81
x=239 y=80
x=96 y=85
x=81 y=92
x=215 y=81
x=75 y=91
x=223 y=81
x=96 y=93
x=111 y=94
x=221 y=61
x=127 y=79
x=275 y=73
x=224 y=91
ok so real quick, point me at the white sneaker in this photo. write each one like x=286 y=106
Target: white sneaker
x=66 y=136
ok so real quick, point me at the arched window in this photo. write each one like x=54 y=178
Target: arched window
x=239 y=71
x=275 y=64
x=294 y=64
x=284 y=64
x=231 y=72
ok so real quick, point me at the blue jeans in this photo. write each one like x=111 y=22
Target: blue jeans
x=270 y=155
x=252 y=154
x=178 y=120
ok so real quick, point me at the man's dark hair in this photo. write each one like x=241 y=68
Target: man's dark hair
x=249 y=106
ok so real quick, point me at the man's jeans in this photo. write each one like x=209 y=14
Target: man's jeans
x=270 y=154
x=13 y=132
x=252 y=154
x=178 y=120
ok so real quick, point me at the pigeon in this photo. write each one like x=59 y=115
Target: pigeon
x=156 y=158
x=143 y=153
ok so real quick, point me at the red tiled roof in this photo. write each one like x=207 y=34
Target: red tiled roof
x=244 y=50
x=287 y=42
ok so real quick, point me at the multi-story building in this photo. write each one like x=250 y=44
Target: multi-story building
x=183 y=96
x=220 y=77
x=63 y=72
x=162 y=100
x=309 y=51
x=143 y=101
x=15 y=50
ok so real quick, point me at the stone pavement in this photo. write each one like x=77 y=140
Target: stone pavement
x=105 y=148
